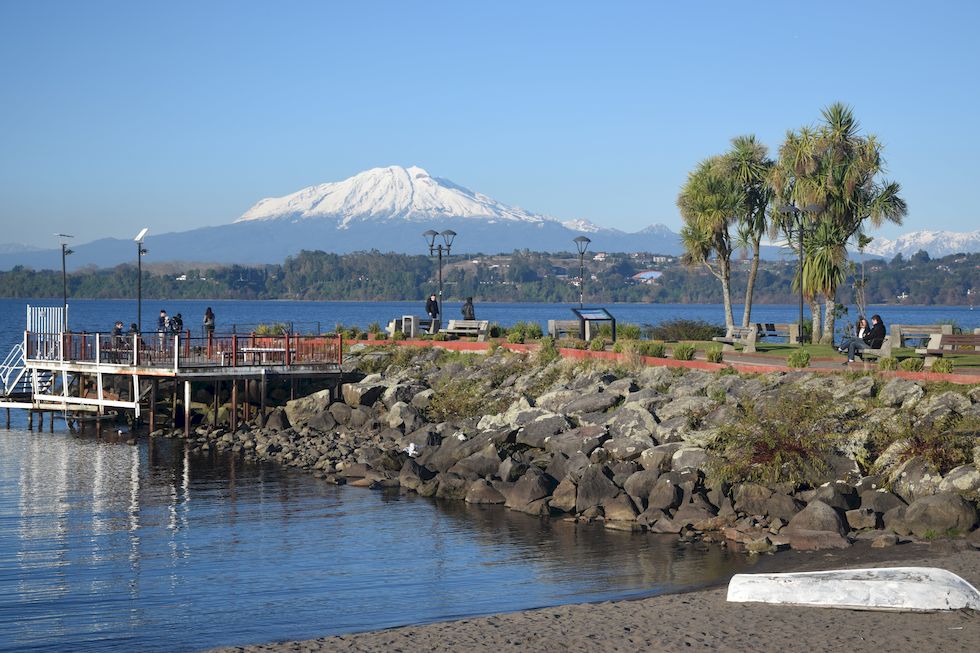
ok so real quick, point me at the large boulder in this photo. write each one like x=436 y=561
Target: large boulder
x=899 y=392
x=689 y=458
x=583 y=439
x=412 y=475
x=404 y=416
x=751 y=498
x=948 y=401
x=277 y=420
x=639 y=485
x=594 y=487
x=632 y=421
x=627 y=448
x=481 y=492
x=818 y=516
x=482 y=464
x=531 y=487
x=563 y=498
x=659 y=457
x=940 y=514
x=665 y=495
x=592 y=403
x=300 y=411
x=782 y=506
x=964 y=480
x=401 y=392
x=880 y=500
x=915 y=478
x=619 y=508
x=690 y=408
x=838 y=494
x=363 y=393
x=536 y=433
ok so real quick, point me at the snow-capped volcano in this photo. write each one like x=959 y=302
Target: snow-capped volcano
x=937 y=243
x=392 y=193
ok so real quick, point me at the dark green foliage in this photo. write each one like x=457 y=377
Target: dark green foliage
x=912 y=364
x=946 y=443
x=778 y=439
x=597 y=344
x=677 y=330
x=887 y=363
x=714 y=355
x=799 y=358
x=942 y=366
x=683 y=352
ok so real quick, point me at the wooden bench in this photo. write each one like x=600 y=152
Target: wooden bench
x=736 y=335
x=904 y=332
x=885 y=351
x=468 y=328
x=565 y=329
x=947 y=343
x=790 y=331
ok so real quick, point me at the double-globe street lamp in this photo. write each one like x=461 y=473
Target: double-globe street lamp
x=436 y=248
x=582 y=244
x=799 y=227
x=140 y=252
x=64 y=281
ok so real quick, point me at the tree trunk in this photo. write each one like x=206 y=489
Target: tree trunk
x=815 y=312
x=726 y=292
x=750 y=284
x=830 y=303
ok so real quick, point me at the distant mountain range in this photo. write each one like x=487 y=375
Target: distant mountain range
x=386 y=209
x=936 y=243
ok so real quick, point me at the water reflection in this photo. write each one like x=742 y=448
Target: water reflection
x=108 y=546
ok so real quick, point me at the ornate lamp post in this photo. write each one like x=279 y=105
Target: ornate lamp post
x=140 y=251
x=582 y=244
x=64 y=281
x=799 y=227
x=447 y=236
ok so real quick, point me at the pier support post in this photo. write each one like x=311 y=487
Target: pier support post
x=217 y=403
x=40 y=422
x=187 y=409
x=233 y=417
x=173 y=404
x=51 y=423
x=262 y=389
x=155 y=385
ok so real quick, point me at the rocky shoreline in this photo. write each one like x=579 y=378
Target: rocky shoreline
x=760 y=462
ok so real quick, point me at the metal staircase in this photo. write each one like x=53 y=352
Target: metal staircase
x=17 y=381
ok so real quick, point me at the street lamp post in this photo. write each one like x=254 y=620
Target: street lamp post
x=582 y=244
x=64 y=282
x=798 y=213
x=430 y=236
x=140 y=252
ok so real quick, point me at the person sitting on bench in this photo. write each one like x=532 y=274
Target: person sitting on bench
x=867 y=338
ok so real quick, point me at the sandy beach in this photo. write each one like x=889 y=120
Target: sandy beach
x=697 y=620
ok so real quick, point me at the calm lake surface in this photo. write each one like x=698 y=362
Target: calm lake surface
x=106 y=546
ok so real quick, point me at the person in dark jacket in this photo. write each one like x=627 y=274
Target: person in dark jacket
x=209 y=323
x=177 y=324
x=469 y=313
x=872 y=339
x=432 y=307
x=163 y=328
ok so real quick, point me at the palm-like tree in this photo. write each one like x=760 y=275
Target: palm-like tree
x=836 y=167
x=709 y=202
x=748 y=165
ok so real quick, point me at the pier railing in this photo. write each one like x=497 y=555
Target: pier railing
x=185 y=351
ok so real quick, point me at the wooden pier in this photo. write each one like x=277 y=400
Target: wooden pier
x=90 y=373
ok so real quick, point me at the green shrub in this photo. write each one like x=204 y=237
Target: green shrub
x=629 y=332
x=714 y=355
x=516 y=337
x=441 y=337
x=597 y=344
x=273 y=329
x=399 y=335
x=381 y=336
x=799 y=358
x=683 y=352
x=676 y=330
x=727 y=370
x=947 y=442
x=495 y=330
x=374 y=327
x=652 y=348
x=572 y=343
x=912 y=364
x=547 y=352
x=888 y=363
x=942 y=366
x=785 y=438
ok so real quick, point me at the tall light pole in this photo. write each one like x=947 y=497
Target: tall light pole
x=140 y=251
x=430 y=236
x=64 y=281
x=798 y=213
x=582 y=244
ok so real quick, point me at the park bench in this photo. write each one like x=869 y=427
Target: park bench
x=411 y=326
x=948 y=343
x=468 y=328
x=737 y=335
x=885 y=351
x=789 y=331
x=904 y=332
x=565 y=329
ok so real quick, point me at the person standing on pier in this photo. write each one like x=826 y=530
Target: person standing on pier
x=208 y=323
x=432 y=309
x=469 y=313
x=163 y=328
x=177 y=324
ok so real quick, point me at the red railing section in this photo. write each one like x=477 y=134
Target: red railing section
x=186 y=351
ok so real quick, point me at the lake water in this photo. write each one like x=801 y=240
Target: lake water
x=100 y=314
x=106 y=546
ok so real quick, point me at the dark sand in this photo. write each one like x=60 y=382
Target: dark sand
x=700 y=620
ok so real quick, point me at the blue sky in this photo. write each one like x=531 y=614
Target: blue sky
x=116 y=115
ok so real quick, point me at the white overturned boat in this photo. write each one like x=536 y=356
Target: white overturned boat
x=916 y=589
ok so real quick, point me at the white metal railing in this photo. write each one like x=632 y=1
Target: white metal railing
x=12 y=369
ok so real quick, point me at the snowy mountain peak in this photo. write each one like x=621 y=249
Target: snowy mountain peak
x=391 y=193
x=937 y=243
